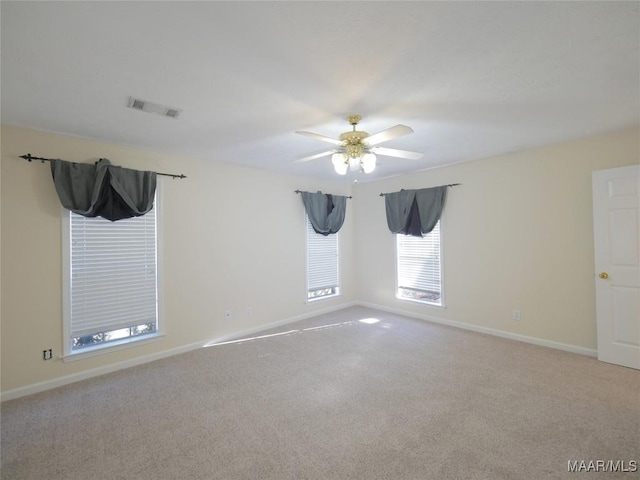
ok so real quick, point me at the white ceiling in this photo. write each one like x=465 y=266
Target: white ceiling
x=473 y=79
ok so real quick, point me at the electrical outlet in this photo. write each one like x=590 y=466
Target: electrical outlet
x=47 y=354
x=248 y=312
x=517 y=315
x=227 y=315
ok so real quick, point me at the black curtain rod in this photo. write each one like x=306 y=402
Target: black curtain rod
x=300 y=191
x=450 y=185
x=29 y=158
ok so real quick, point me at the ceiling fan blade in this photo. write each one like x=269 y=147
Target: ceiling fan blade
x=388 y=134
x=392 y=152
x=313 y=157
x=321 y=137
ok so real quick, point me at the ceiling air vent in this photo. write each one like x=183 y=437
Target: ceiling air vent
x=139 y=104
x=150 y=107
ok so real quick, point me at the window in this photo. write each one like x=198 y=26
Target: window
x=419 y=267
x=111 y=287
x=322 y=264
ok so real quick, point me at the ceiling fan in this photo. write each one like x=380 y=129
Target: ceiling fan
x=356 y=150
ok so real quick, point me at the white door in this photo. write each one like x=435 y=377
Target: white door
x=616 y=224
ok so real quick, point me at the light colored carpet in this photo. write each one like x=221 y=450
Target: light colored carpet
x=397 y=399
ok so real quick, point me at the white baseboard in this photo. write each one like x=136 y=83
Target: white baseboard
x=490 y=331
x=280 y=323
x=95 y=372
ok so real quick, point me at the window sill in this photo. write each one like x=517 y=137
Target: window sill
x=111 y=347
x=423 y=302
x=326 y=297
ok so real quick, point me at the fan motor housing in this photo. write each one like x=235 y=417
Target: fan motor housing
x=353 y=138
x=353 y=142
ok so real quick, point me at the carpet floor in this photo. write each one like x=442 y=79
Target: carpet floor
x=355 y=394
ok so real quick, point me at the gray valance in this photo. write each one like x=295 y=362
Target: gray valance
x=415 y=212
x=103 y=189
x=325 y=212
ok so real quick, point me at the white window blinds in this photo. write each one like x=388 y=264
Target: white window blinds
x=419 y=268
x=113 y=281
x=322 y=264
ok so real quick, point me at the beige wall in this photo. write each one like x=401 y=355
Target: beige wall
x=517 y=234
x=233 y=238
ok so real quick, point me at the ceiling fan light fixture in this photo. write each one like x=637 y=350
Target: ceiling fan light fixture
x=368 y=162
x=339 y=163
x=357 y=150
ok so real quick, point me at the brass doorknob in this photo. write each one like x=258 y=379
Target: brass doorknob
x=604 y=275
